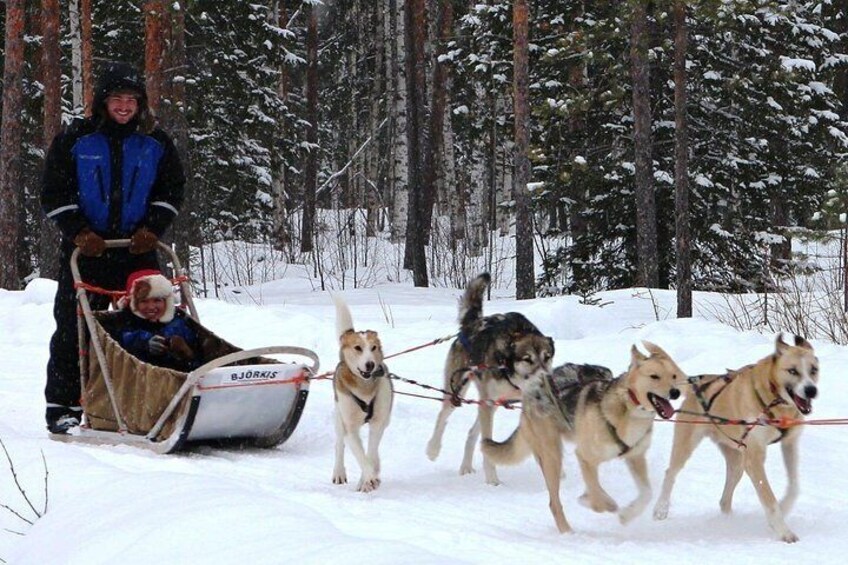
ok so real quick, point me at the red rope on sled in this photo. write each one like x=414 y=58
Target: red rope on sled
x=782 y=423
x=117 y=294
x=504 y=402
x=114 y=294
x=325 y=376
x=417 y=347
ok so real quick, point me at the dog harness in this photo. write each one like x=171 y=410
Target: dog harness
x=699 y=388
x=622 y=446
x=368 y=407
x=594 y=384
x=778 y=400
x=767 y=415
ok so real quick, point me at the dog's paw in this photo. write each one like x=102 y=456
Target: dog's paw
x=789 y=537
x=433 y=449
x=604 y=504
x=339 y=477
x=627 y=515
x=661 y=511
x=368 y=485
x=466 y=469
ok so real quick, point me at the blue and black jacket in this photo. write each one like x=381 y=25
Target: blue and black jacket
x=112 y=179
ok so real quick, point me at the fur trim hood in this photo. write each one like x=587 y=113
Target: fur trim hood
x=149 y=283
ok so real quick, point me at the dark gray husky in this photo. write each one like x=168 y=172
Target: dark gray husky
x=499 y=353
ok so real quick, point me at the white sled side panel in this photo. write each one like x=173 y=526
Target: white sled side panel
x=246 y=400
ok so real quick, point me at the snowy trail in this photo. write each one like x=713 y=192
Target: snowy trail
x=121 y=504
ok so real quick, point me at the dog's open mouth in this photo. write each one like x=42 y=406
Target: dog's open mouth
x=378 y=371
x=661 y=405
x=804 y=405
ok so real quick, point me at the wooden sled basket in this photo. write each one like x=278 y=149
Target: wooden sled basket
x=241 y=397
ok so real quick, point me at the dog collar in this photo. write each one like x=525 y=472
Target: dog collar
x=778 y=400
x=632 y=396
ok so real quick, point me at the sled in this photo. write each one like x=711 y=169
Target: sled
x=237 y=397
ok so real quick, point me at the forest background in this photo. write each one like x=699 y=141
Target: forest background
x=665 y=144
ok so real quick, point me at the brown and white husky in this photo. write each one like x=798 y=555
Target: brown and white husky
x=363 y=395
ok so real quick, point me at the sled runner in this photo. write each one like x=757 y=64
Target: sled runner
x=236 y=396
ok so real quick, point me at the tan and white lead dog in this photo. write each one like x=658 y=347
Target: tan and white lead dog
x=778 y=387
x=363 y=394
x=605 y=417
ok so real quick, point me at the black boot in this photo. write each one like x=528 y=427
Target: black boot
x=60 y=419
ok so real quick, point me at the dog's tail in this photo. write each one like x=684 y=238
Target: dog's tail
x=344 y=321
x=471 y=305
x=510 y=452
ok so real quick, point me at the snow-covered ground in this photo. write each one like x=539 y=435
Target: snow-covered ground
x=126 y=505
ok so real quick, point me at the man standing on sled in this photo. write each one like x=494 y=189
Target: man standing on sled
x=114 y=175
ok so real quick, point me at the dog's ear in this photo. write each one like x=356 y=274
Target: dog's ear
x=551 y=343
x=779 y=345
x=636 y=356
x=803 y=343
x=655 y=349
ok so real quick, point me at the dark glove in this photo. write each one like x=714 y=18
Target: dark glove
x=157 y=345
x=143 y=241
x=180 y=349
x=90 y=244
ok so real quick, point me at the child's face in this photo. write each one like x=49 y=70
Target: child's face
x=151 y=308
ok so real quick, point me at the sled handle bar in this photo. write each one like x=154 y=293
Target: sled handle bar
x=196 y=374
x=185 y=289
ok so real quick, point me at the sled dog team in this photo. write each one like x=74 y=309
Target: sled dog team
x=605 y=417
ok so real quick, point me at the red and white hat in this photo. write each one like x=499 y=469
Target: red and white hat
x=149 y=283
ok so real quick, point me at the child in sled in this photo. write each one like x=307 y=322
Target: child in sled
x=151 y=327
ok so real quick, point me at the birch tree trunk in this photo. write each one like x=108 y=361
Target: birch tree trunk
x=524 y=264
x=441 y=83
x=390 y=58
x=400 y=194
x=87 y=62
x=279 y=188
x=455 y=193
x=352 y=178
x=372 y=156
x=76 y=58
x=477 y=216
x=311 y=169
x=503 y=163
x=646 y=214
x=10 y=147
x=51 y=78
x=681 y=168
